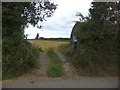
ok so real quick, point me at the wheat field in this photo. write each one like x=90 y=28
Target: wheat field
x=45 y=44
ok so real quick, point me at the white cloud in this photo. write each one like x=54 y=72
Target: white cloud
x=61 y=23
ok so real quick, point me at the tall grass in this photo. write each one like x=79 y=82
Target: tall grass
x=66 y=49
x=86 y=62
x=55 y=67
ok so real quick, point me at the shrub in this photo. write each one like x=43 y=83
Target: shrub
x=17 y=59
x=97 y=49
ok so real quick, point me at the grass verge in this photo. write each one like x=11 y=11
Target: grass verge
x=55 y=67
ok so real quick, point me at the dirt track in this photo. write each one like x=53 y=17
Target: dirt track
x=37 y=78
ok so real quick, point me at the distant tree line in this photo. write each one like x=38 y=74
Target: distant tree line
x=42 y=38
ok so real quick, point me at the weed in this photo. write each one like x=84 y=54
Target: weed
x=55 y=67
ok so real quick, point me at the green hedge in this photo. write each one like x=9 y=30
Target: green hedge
x=97 y=49
x=17 y=58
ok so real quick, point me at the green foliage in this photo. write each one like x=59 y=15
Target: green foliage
x=97 y=48
x=19 y=55
x=55 y=67
x=54 y=70
x=20 y=60
x=66 y=49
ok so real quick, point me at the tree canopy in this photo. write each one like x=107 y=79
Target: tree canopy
x=18 y=54
x=23 y=13
x=98 y=38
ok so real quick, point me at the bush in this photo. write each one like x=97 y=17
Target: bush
x=97 y=49
x=17 y=59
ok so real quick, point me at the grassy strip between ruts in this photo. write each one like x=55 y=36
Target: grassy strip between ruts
x=55 y=67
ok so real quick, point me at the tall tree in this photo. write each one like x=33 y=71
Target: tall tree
x=17 y=15
x=98 y=38
x=23 y=13
x=105 y=11
x=37 y=36
x=15 y=18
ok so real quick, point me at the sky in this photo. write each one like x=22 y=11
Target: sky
x=61 y=23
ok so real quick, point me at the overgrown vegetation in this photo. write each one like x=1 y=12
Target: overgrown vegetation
x=96 y=52
x=18 y=54
x=66 y=49
x=97 y=46
x=55 y=67
x=20 y=60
